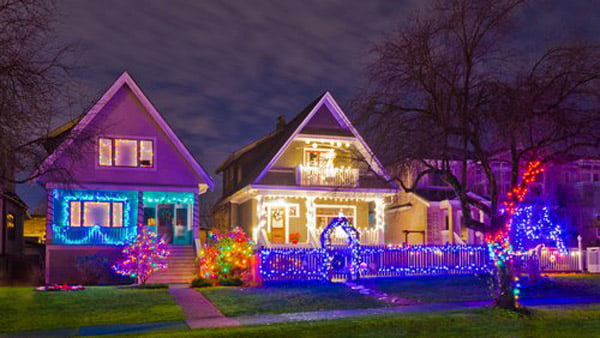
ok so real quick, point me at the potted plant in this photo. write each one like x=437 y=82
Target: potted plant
x=295 y=237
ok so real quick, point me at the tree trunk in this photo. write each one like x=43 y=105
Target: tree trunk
x=505 y=297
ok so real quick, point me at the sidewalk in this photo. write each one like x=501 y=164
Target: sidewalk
x=205 y=316
x=198 y=311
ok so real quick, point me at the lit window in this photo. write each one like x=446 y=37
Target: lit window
x=117 y=214
x=90 y=213
x=105 y=155
x=96 y=213
x=75 y=213
x=10 y=224
x=146 y=154
x=326 y=214
x=125 y=153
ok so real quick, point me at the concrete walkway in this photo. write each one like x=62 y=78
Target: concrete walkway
x=198 y=311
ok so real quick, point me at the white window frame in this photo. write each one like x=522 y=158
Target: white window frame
x=190 y=213
x=110 y=216
x=113 y=139
x=337 y=206
x=306 y=150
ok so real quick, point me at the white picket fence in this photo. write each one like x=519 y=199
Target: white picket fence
x=552 y=260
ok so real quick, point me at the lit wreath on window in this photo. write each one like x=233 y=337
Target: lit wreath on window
x=277 y=215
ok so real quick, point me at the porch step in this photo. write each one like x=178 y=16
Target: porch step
x=181 y=266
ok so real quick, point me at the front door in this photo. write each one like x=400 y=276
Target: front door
x=278 y=225
x=165 y=222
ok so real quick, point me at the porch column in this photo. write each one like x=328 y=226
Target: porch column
x=380 y=220
x=140 y=207
x=311 y=225
x=49 y=221
x=259 y=230
x=196 y=218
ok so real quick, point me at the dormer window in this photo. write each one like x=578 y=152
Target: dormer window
x=122 y=152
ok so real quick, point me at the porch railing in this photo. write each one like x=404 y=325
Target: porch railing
x=317 y=176
x=366 y=236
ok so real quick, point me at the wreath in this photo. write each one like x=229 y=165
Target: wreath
x=277 y=215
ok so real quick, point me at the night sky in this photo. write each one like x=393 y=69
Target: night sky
x=220 y=72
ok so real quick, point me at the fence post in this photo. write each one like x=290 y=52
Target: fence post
x=580 y=261
x=255 y=269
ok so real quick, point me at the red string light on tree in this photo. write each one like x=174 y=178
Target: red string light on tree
x=499 y=244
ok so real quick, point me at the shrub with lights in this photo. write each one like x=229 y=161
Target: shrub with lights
x=522 y=235
x=143 y=257
x=226 y=257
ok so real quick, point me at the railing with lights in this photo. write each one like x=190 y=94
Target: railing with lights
x=94 y=235
x=375 y=261
x=317 y=176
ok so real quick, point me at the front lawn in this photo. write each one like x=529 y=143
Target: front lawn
x=434 y=289
x=24 y=309
x=285 y=297
x=479 y=322
x=461 y=288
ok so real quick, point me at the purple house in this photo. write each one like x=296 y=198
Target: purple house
x=112 y=170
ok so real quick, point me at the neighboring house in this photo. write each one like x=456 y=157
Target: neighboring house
x=34 y=229
x=13 y=210
x=572 y=187
x=291 y=183
x=431 y=214
x=13 y=213
x=116 y=168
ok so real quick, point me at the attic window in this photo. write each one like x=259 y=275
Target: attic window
x=120 y=152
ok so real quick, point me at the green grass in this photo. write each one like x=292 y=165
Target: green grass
x=460 y=288
x=480 y=322
x=434 y=289
x=287 y=297
x=25 y=309
x=565 y=285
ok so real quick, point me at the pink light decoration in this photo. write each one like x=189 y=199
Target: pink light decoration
x=143 y=257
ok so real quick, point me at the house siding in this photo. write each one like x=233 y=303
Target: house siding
x=413 y=218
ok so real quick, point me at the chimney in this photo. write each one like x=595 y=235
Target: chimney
x=280 y=122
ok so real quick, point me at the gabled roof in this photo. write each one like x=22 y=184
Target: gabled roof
x=79 y=124
x=267 y=146
x=267 y=150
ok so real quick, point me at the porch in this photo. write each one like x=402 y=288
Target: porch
x=298 y=221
